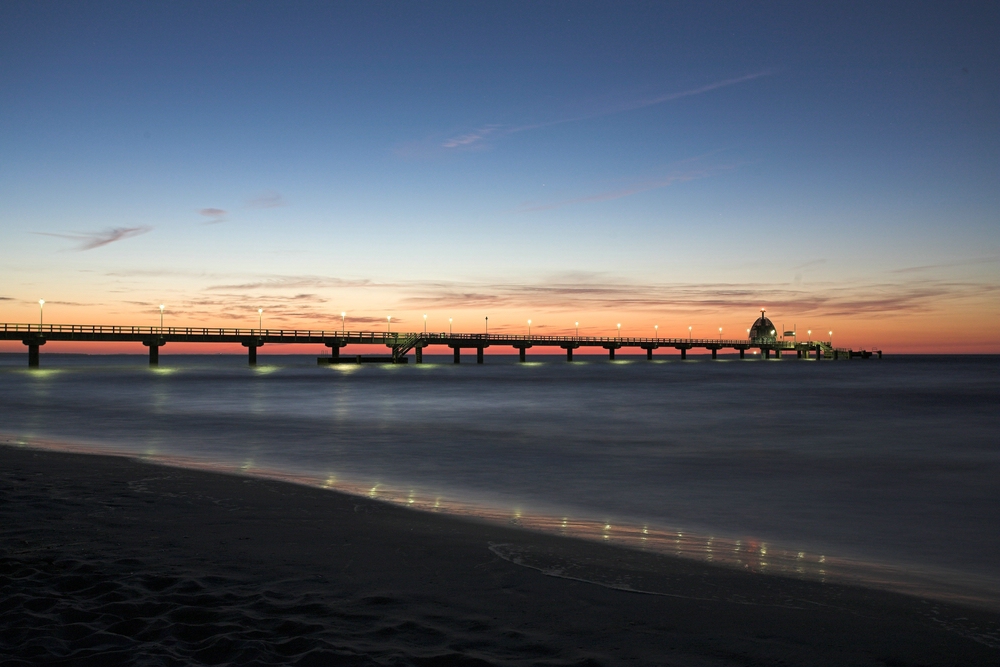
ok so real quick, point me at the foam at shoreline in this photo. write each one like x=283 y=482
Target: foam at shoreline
x=747 y=554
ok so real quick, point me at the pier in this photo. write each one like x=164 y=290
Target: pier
x=400 y=345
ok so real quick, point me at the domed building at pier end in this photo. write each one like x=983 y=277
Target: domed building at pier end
x=763 y=330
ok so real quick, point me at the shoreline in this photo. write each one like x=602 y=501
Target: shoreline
x=757 y=556
x=207 y=563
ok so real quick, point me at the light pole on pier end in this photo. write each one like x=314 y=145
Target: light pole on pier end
x=161 y=318
x=831 y=339
x=689 y=333
x=388 y=324
x=260 y=321
x=656 y=331
x=425 y=324
x=529 y=328
x=577 y=329
x=619 y=331
x=449 y=326
x=487 y=325
x=41 y=319
x=343 y=322
x=720 y=333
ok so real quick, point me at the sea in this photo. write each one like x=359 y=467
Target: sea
x=880 y=472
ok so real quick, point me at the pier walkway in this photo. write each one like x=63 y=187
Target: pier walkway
x=399 y=345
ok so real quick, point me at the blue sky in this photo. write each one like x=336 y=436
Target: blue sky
x=650 y=162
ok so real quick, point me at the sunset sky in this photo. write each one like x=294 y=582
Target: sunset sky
x=644 y=163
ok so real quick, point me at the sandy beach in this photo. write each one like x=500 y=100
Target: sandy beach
x=109 y=560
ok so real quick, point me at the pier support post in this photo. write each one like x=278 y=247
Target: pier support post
x=33 y=346
x=569 y=354
x=479 y=355
x=684 y=353
x=252 y=345
x=419 y=351
x=154 y=355
x=742 y=352
x=715 y=353
x=777 y=354
x=649 y=354
x=767 y=353
x=458 y=354
x=521 y=355
x=611 y=353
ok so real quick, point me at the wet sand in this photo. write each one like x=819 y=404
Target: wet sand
x=107 y=560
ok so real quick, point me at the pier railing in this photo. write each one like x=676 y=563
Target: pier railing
x=383 y=337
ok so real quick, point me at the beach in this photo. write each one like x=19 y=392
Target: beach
x=111 y=560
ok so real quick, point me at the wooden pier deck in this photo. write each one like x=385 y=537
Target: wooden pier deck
x=399 y=345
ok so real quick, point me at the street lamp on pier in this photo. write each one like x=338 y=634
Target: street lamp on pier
x=689 y=333
x=487 y=325
x=449 y=326
x=425 y=324
x=161 y=318
x=577 y=329
x=41 y=308
x=656 y=331
x=388 y=324
x=260 y=320
x=831 y=339
x=529 y=328
x=720 y=333
x=343 y=322
x=619 y=331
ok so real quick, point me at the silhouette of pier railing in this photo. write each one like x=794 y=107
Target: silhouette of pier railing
x=399 y=343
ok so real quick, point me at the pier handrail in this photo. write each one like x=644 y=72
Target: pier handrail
x=393 y=338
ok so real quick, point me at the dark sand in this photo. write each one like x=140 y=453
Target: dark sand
x=108 y=560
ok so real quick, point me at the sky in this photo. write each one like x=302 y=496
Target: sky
x=653 y=164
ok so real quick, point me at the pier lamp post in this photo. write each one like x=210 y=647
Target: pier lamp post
x=487 y=325
x=41 y=319
x=529 y=328
x=656 y=331
x=619 y=331
x=577 y=329
x=831 y=339
x=161 y=318
x=425 y=324
x=343 y=322
x=388 y=323
x=720 y=333
x=689 y=333
x=260 y=320
x=449 y=326
x=748 y=334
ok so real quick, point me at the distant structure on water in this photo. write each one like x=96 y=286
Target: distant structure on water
x=762 y=336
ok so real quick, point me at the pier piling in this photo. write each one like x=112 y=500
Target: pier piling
x=458 y=354
x=479 y=355
x=33 y=352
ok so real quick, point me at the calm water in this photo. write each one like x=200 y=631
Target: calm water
x=889 y=465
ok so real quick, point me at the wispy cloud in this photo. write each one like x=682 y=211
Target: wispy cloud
x=635 y=188
x=269 y=199
x=946 y=265
x=214 y=215
x=470 y=138
x=91 y=240
x=474 y=138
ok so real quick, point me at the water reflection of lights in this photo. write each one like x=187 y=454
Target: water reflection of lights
x=748 y=555
x=163 y=371
x=264 y=370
